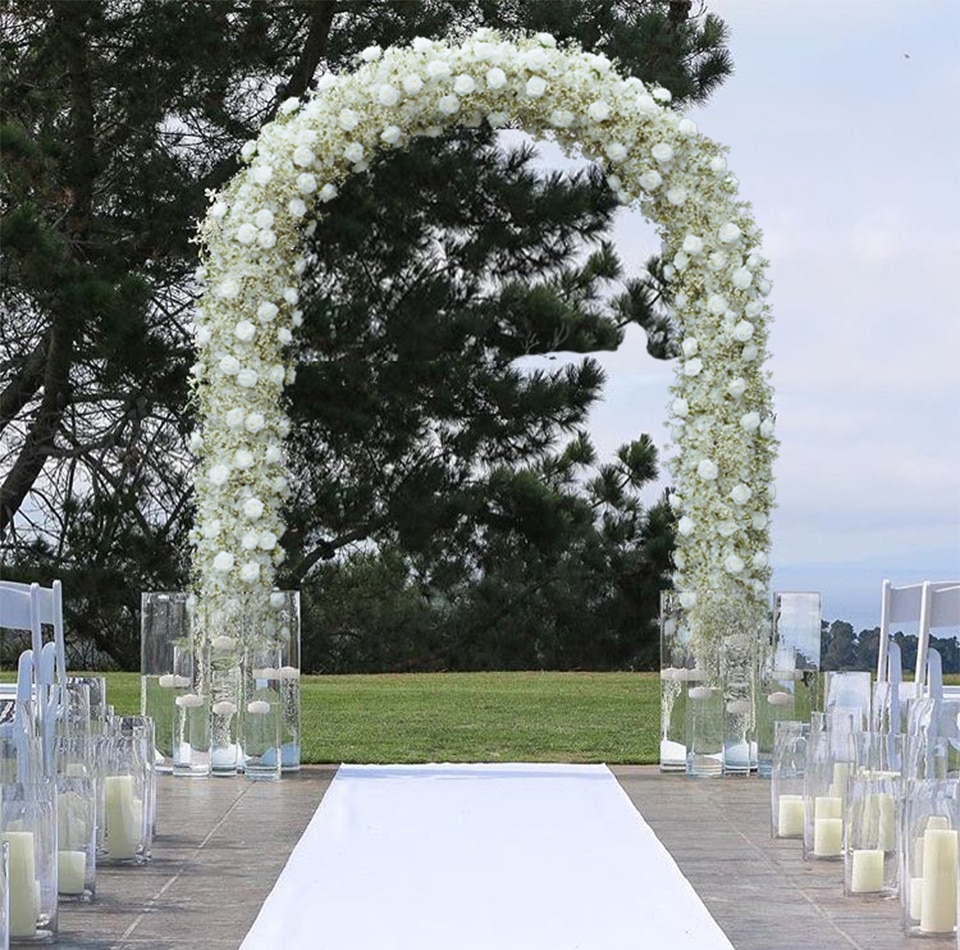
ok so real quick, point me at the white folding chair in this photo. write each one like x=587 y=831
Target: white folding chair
x=939 y=608
x=50 y=605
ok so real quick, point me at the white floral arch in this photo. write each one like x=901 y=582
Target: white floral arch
x=721 y=412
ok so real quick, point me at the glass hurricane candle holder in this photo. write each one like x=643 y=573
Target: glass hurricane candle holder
x=831 y=757
x=76 y=782
x=871 y=852
x=123 y=831
x=28 y=825
x=786 y=778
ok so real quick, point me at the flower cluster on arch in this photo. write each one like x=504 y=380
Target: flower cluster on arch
x=721 y=410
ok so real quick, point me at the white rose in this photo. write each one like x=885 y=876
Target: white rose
x=693 y=367
x=247 y=378
x=743 y=331
x=650 y=180
x=371 y=54
x=327 y=193
x=677 y=195
x=412 y=84
x=253 y=508
x=284 y=336
x=754 y=309
x=728 y=233
x=750 y=421
x=244 y=331
x=267 y=239
x=348 y=120
x=733 y=564
x=273 y=453
x=254 y=422
x=737 y=387
x=196 y=441
x=246 y=233
x=680 y=407
x=264 y=218
x=463 y=85
x=267 y=541
x=219 y=475
x=276 y=374
x=726 y=528
x=303 y=156
x=388 y=95
x=740 y=494
x=498 y=120
x=249 y=541
x=764 y=286
x=235 y=418
x=662 y=152
x=250 y=572
x=229 y=366
x=545 y=39
x=391 y=135
x=219 y=210
x=211 y=529
x=203 y=336
x=262 y=174
x=680 y=261
x=742 y=278
x=646 y=105
x=766 y=428
x=707 y=470
x=223 y=562
x=718 y=164
x=664 y=95
x=693 y=244
x=536 y=87
x=297 y=207
x=716 y=304
x=749 y=353
x=759 y=521
x=306 y=137
x=306 y=183
x=687 y=127
x=688 y=599
x=448 y=105
x=438 y=69
x=599 y=111
x=690 y=345
x=535 y=59
x=759 y=559
x=267 y=312
x=685 y=526
x=717 y=260
x=249 y=150
x=243 y=458
x=353 y=152
x=561 y=118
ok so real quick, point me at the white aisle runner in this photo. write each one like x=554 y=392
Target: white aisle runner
x=481 y=857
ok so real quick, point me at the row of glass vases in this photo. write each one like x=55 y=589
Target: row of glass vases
x=75 y=793
x=880 y=805
x=222 y=684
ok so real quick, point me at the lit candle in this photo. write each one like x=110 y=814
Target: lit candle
x=71 y=871
x=938 y=905
x=790 y=816
x=867 y=872
x=828 y=837
x=21 y=883
x=120 y=817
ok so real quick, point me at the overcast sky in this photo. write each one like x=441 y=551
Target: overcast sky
x=842 y=123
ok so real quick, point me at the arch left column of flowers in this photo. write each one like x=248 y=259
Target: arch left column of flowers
x=721 y=413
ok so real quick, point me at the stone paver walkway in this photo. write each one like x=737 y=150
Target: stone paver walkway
x=222 y=843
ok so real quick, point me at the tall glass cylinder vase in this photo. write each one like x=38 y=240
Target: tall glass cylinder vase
x=4 y=895
x=928 y=894
x=28 y=824
x=123 y=830
x=871 y=854
x=676 y=664
x=164 y=628
x=261 y=711
x=738 y=664
x=191 y=699
x=223 y=628
x=285 y=624
x=789 y=668
x=76 y=818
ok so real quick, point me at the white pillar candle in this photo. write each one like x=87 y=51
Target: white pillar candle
x=21 y=883
x=71 y=871
x=790 y=816
x=828 y=837
x=827 y=806
x=887 y=830
x=916 y=897
x=119 y=816
x=938 y=906
x=867 y=872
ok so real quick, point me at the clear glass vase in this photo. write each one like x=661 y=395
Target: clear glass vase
x=28 y=825
x=871 y=850
x=676 y=663
x=831 y=758
x=76 y=818
x=285 y=629
x=165 y=627
x=786 y=778
x=123 y=831
x=224 y=630
x=262 y=711
x=191 y=700
x=929 y=845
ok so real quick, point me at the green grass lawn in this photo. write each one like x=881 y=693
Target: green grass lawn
x=476 y=717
